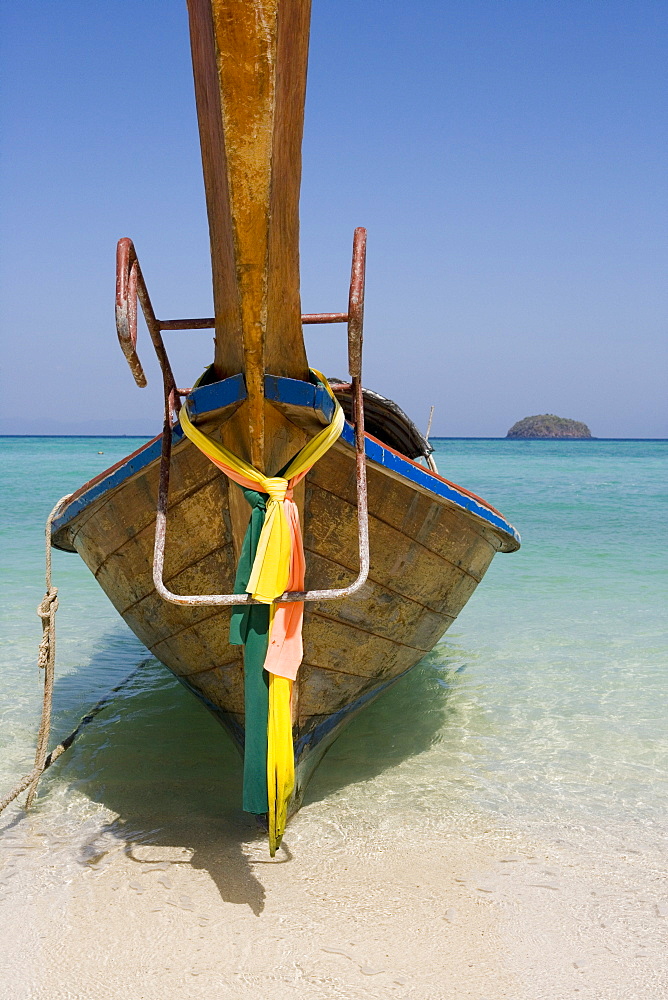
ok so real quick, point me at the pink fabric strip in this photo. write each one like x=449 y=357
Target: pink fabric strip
x=248 y=484
x=285 y=650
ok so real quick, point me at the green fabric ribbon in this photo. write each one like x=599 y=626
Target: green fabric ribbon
x=249 y=627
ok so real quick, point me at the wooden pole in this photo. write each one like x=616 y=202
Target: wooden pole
x=249 y=64
x=431 y=415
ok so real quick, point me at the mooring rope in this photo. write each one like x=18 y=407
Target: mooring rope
x=46 y=656
x=46 y=660
x=52 y=757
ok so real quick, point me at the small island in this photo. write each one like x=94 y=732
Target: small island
x=547 y=425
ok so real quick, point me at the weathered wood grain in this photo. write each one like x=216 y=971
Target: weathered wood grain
x=413 y=512
x=376 y=608
x=249 y=64
x=117 y=514
x=406 y=566
x=317 y=685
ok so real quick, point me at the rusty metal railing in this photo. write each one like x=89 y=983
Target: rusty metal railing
x=130 y=286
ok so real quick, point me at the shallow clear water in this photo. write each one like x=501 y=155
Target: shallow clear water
x=543 y=710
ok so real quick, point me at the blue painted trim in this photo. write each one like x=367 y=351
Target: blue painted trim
x=213 y=397
x=297 y=393
x=308 y=395
x=201 y=400
x=130 y=467
x=422 y=477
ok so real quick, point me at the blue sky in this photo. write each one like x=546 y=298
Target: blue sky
x=508 y=159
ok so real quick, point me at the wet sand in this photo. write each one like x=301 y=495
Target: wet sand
x=199 y=910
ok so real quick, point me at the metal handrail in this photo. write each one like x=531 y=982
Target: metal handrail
x=355 y=319
x=130 y=286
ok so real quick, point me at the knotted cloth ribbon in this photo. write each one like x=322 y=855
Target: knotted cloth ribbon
x=278 y=565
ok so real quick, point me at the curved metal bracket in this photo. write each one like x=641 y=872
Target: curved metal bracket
x=130 y=286
x=127 y=270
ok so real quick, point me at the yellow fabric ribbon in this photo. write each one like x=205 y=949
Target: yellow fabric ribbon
x=271 y=568
x=269 y=578
x=280 y=758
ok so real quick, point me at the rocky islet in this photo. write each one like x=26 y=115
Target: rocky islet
x=548 y=425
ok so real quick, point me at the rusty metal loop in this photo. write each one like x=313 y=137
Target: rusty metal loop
x=130 y=287
x=127 y=267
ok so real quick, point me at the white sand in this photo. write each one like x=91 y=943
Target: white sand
x=340 y=913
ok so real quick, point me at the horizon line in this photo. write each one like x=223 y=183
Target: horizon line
x=145 y=437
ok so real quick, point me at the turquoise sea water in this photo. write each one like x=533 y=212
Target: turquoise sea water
x=543 y=710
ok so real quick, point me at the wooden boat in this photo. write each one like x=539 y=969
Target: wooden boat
x=429 y=541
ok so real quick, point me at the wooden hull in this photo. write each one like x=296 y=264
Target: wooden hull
x=428 y=554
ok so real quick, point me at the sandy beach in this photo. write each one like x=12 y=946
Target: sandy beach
x=198 y=910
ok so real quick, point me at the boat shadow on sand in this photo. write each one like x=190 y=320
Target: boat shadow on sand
x=163 y=764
